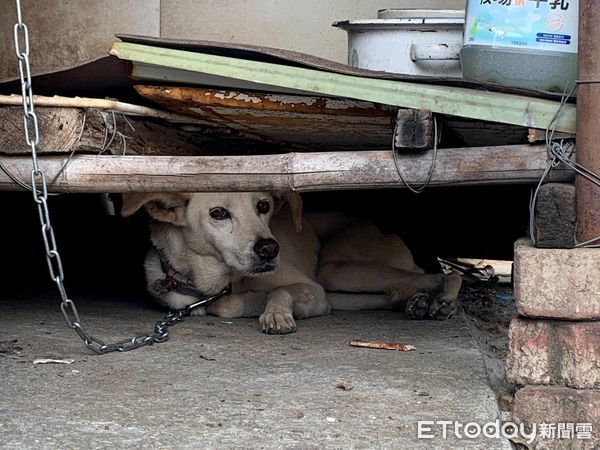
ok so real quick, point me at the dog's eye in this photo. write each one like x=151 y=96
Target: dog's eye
x=263 y=207
x=219 y=214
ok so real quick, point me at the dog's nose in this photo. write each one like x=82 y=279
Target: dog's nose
x=267 y=249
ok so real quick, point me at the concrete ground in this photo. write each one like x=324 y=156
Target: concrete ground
x=222 y=384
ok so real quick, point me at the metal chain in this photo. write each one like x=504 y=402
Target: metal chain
x=40 y=197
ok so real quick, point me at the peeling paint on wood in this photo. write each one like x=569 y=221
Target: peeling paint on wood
x=315 y=122
x=156 y=63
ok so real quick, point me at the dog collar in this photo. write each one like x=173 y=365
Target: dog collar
x=183 y=284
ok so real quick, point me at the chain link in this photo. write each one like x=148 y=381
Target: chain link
x=40 y=197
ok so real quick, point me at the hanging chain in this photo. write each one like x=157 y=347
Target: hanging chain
x=40 y=197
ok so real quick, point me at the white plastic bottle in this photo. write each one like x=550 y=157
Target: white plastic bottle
x=523 y=43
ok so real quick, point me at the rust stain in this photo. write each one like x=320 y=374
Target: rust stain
x=266 y=102
x=301 y=120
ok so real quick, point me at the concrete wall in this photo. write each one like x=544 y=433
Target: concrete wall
x=64 y=32
x=302 y=25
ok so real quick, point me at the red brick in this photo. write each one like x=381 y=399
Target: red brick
x=557 y=283
x=535 y=405
x=546 y=352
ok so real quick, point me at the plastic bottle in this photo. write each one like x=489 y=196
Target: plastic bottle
x=523 y=43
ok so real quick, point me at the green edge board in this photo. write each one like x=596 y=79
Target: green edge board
x=455 y=101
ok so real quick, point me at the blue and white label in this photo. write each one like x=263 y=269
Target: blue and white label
x=534 y=24
x=550 y=38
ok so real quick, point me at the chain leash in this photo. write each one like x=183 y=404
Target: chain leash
x=40 y=197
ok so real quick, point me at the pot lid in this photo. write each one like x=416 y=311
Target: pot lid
x=423 y=14
x=403 y=18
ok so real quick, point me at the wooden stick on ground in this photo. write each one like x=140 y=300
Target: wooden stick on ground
x=382 y=345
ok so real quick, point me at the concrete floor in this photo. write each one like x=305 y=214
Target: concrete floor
x=225 y=385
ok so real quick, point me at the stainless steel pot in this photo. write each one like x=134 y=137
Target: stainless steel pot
x=407 y=41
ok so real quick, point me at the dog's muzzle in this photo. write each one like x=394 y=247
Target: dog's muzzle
x=266 y=249
x=266 y=252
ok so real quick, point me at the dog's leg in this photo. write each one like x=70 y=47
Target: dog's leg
x=436 y=305
x=276 y=309
x=247 y=304
x=299 y=300
x=278 y=316
x=421 y=295
x=366 y=277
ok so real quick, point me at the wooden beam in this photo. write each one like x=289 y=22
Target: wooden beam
x=536 y=135
x=66 y=130
x=296 y=171
x=476 y=133
x=99 y=103
x=455 y=101
x=59 y=129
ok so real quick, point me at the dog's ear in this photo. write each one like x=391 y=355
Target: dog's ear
x=294 y=200
x=164 y=207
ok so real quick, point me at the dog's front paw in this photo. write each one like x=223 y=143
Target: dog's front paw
x=417 y=307
x=424 y=306
x=442 y=308
x=277 y=322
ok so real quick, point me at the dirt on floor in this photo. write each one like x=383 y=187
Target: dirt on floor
x=222 y=384
x=490 y=307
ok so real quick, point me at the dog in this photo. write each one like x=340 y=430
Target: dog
x=279 y=262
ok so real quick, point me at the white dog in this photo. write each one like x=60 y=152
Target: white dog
x=278 y=261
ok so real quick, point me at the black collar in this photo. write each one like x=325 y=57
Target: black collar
x=183 y=284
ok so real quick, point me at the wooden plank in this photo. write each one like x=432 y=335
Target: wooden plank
x=59 y=129
x=535 y=135
x=301 y=122
x=476 y=133
x=481 y=105
x=98 y=103
x=66 y=130
x=296 y=171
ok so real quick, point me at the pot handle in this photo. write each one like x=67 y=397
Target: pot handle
x=434 y=52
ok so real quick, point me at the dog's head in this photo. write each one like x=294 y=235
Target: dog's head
x=233 y=227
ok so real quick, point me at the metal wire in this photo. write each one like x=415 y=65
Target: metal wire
x=66 y=163
x=561 y=152
x=102 y=149
x=13 y=177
